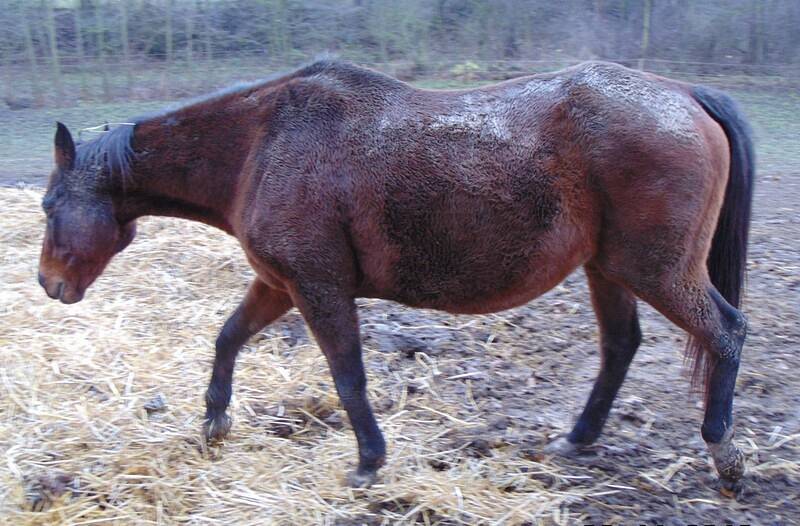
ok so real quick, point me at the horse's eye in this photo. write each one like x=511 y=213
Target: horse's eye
x=49 y=204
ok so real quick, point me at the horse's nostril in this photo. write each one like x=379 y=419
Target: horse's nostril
x=42 y=280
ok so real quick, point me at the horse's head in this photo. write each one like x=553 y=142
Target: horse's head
x=83 y=232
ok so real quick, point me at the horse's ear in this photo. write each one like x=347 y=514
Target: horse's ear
x=65 y=148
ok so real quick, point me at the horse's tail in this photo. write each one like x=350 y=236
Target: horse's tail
x=727 y=259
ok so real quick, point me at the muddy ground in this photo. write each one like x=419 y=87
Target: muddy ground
x=522 y=376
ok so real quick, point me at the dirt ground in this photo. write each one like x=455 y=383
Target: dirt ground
x=467 y=402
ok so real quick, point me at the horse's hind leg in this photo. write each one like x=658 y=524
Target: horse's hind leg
x=725 y=346
x=620 y=336
x=718 y=330
x=260 y=306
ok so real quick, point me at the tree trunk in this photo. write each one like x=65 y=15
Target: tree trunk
x=381 y=31
x=52 y=39
x=191 y=76
x=165 y=75
x=190 y=34
x=80 y=52
x=30 y=52
x=168 y=31
x=126 y=47
x=648 y=11
x=209 y=37
x=621 y=44
x=208 y=44
x=100 y=29
x=278 y=29
x=5 y=66
x=760 y=48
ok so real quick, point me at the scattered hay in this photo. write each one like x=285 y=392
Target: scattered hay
x=101 y=405
x=105 y=397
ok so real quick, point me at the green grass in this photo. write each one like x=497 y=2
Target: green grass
x=775 y=117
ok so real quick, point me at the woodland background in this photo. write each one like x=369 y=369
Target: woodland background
x=59 y=52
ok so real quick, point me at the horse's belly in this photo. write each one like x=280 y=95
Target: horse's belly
x=472 y=265
x=488 y=285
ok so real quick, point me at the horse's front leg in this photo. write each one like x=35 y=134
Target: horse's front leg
x=620 y=337
x=260 y=306
x=331 y=316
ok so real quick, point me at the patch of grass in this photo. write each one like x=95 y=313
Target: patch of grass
x=774 y=117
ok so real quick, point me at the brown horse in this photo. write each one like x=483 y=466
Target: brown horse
x=340 y=182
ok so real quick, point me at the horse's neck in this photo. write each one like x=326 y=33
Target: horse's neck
x=187 y=168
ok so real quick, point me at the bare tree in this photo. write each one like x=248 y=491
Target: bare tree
x=648 y=12
x=52 y=39
x=208 y=31
x=168 y=31
x=5 y=66
x=30 y=52
x=126 y=46
x=278 y=32
x=756 y=34
x=190 y=14
x=100 y=30
x=80 y=51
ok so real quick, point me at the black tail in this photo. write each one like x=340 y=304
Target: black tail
x=727 y=259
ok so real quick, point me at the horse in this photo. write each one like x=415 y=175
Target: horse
x=340 y=182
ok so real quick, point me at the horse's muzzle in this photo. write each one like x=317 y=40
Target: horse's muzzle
x=57 y=289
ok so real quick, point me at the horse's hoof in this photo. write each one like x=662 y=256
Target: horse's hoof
x=731 y=488
x=217 y=428
x=730 y=464
x=561 y=447
x=363 y=480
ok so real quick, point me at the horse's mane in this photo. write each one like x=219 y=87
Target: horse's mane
x=114 y=149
